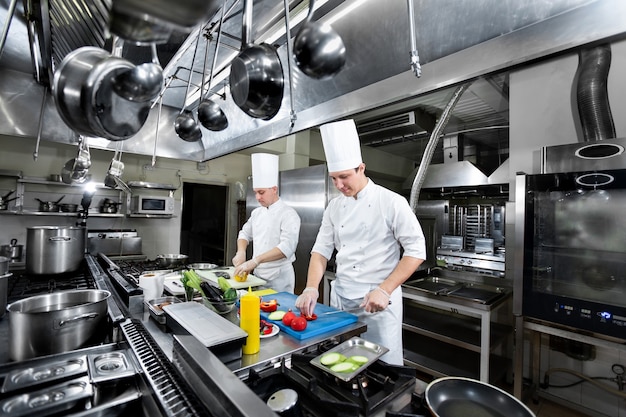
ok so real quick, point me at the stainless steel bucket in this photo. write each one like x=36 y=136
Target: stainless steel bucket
x=54 y=249
x=56 y=322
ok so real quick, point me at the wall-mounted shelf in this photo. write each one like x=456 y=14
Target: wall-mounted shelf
x=151 y=185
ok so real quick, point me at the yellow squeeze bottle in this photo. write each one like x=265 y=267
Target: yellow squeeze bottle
x=249 y=321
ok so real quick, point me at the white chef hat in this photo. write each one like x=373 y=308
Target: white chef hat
x=264 y=170
x=341 y=145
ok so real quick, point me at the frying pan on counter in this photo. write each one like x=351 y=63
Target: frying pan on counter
x=462 y=397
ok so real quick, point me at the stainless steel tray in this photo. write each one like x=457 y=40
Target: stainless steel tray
x=354 y=346
x=434 y=285
x=46 y=372
x=156 y=307
x=484 y=294
x=111 y=365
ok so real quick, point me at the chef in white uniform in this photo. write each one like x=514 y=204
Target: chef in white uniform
x=368 y=225
x=274 y=227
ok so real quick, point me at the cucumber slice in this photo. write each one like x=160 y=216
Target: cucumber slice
x=343 y=367
x=277 y=315
x=358 y=359
x=332 y=358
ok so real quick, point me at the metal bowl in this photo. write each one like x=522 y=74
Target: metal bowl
x=171 y=260
x=202 y=266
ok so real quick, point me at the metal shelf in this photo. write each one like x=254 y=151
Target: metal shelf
x=455 y=329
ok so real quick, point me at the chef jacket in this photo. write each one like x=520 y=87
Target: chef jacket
x=368 y=233
x=275 y=226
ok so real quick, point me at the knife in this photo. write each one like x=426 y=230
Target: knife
x=350 y=310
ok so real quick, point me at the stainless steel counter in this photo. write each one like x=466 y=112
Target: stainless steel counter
x=272 y=349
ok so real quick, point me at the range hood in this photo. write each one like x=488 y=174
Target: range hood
x=458 y=171
x=584 y=156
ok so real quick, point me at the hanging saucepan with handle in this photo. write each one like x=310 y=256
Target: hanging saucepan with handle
x=462 y=397
x=83 y=91
x=256 y=74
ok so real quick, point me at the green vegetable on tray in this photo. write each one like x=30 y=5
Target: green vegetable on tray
x=338 y=362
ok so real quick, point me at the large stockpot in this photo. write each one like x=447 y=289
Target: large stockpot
x=54 y=249
x=56 y=322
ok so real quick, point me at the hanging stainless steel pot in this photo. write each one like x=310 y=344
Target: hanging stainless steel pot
x=256 y=74
x=54 y=249
x=56 y=322
x=83 y=91
x=461 y=397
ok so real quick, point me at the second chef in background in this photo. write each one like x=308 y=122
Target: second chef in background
x=274 y=227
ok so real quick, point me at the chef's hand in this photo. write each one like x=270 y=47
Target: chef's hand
x=246 y=267
x=307 y=300
x=376 y=300
x=240 y=257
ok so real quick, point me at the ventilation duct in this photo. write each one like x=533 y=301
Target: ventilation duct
x=403 y=123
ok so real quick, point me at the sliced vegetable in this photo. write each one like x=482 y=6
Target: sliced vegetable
x=344 y=367
x=266 y=327
x=332 y=358
x=277 y=315
x=358 y=360
x=269 y=306
x=309 y=318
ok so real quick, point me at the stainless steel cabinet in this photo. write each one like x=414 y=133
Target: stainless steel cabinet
x=446 y=338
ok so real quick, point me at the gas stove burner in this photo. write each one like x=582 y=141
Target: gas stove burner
x=320 y=394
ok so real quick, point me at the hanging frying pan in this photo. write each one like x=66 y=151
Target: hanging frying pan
x=256 y=74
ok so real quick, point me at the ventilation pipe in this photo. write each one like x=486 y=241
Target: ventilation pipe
x=431 y=146
x=592 y=95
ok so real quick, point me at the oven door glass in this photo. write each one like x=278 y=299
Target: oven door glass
x=575 y=248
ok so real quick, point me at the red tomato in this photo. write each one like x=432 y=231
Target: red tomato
x=288 y=317
x=298 y=323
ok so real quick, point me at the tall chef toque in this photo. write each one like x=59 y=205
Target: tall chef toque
x=264 y=170
x=341 y=145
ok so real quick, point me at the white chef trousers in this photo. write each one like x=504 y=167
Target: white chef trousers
x=279 y=278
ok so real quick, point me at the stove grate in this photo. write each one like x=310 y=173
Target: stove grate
x=22 y=285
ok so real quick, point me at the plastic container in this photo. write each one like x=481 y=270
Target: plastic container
x=250 y=321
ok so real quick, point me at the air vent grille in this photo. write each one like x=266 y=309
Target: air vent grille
x=391 y=122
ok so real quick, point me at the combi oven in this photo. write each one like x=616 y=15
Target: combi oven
x=574 y=258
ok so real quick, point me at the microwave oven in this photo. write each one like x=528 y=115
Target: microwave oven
x=148 y=204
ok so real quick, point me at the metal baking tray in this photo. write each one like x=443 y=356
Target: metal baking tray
x=434 y=285
x=156 y=312
x=354 y=346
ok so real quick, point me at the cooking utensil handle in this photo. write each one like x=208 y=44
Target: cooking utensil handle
x=86 y=316
x=59 y=239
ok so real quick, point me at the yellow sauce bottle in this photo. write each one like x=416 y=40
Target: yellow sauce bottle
x=250 y=321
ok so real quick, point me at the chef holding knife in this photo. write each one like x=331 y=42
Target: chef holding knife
x=274 y=227
x=368 y=225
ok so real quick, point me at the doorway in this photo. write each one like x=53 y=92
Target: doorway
x=203 y=225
